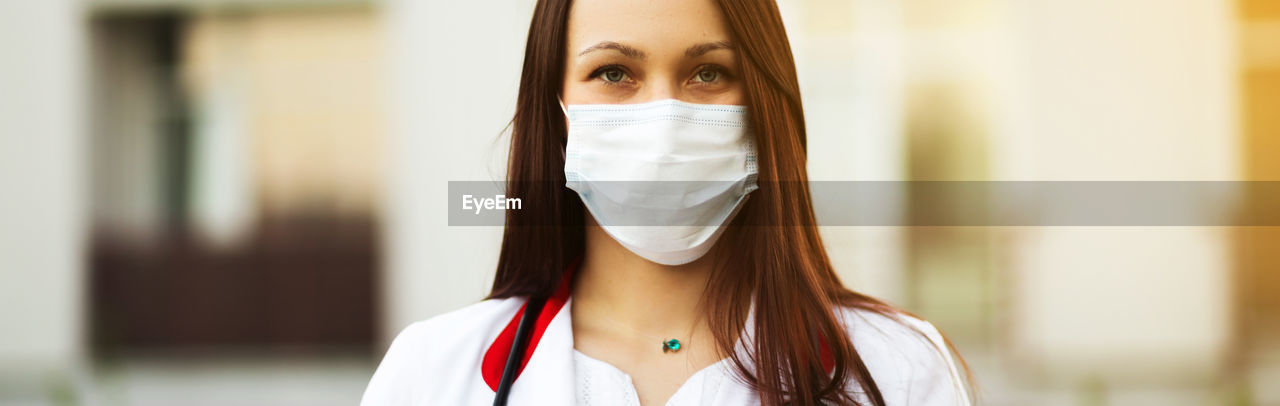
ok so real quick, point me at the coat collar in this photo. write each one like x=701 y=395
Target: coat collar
x=495 y=358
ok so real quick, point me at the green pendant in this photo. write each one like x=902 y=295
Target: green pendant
x=671 y=345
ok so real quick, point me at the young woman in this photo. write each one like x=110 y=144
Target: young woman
x=666 y=252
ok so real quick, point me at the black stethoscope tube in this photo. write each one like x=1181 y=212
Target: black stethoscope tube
x=531 y=312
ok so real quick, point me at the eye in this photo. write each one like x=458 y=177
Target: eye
x=707 y=75
x=611 y=74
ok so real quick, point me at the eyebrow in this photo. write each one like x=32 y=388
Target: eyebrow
x=626 y=50
x=700 y=49
x=635 y=53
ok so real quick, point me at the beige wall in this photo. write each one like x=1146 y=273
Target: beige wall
x=42 y=192
x=1137 y=90
x=456 y=66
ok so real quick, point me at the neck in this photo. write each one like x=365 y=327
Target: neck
x=616 y=286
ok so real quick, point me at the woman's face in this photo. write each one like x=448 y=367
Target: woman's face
x=628 y=51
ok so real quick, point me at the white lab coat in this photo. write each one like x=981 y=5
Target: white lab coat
x=438 y=361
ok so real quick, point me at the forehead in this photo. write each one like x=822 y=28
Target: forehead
x=654 y=26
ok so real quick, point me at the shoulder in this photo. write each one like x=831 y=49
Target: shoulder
x=469 y=323
x=454 y=341
x=908 y=358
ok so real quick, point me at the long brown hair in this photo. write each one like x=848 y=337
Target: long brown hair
x=778 y=257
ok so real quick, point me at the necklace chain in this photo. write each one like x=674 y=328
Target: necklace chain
x=668 y=344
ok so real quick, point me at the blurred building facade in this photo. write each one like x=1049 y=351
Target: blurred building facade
x=235 y=176
x=265 y=182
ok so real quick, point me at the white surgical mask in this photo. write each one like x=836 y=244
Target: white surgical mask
x=662 y=178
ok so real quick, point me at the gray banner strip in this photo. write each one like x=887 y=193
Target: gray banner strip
x=958 y=203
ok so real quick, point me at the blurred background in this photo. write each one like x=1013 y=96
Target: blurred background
x=210 y=202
